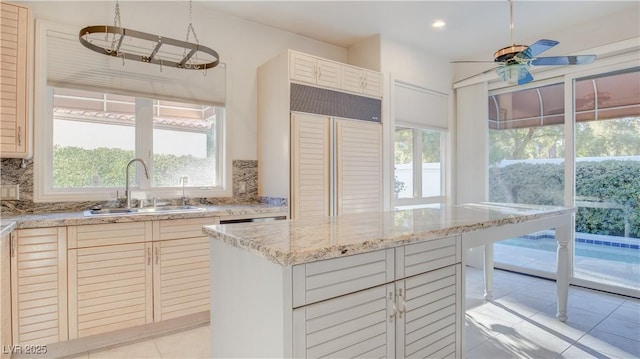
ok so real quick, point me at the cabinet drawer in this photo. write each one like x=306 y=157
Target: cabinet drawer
x=316 y=281
x=109 y=234
x=182 y=228
x=425 y=256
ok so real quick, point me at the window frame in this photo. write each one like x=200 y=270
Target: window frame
x=43 y=167
x=417 y=199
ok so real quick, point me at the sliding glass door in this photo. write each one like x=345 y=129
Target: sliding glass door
x=528 y=161
x=607 y=179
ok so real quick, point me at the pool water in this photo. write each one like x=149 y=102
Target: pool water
x=623 y=255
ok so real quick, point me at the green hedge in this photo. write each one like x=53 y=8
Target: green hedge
x=610 y=181
x=75 y=167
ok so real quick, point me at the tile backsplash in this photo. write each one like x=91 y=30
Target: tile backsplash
x=245 y=179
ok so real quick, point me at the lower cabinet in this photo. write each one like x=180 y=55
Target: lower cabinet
x=39 y=285
x=110 y=288
x=398 y=302
x=412 y=318
x=122 y=275
x=181 y=268
x=5 y=293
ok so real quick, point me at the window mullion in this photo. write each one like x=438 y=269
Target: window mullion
x=417 y=163
x=144 y=140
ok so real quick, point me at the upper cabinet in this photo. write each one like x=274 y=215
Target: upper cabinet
x=334 y=75
x=361 y=81
x=313 y=70
x=15 y=126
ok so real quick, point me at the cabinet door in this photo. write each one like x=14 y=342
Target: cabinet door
x=352 y=78
x=310 y=161
x=358 y=325
x=302 y=67
x=372 y=85
x=428 y=323
x=358 y=166
x=327 y=73
x=110 y=288
x=39 y=286
x=5 y=291
x=181 y=277
x=14 y=90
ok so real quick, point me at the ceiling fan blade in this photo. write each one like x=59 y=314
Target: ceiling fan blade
x=473 y=62
x=527 y=77
x=564 y=60
x=537 y=48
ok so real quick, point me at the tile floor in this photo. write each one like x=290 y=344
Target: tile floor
x=519 y=323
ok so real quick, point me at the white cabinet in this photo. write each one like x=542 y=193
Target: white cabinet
x=401 y=302
x=413 y=316
x=39 y=285
x=110 y=277
x=313 y=70
x=361 y=81
x=310 y=165
x=15 y=127
x=5 y=292
x=358 y=166
x=294 y=115
x=351 y=182
x=358 y=325
x=123 y=275
x=181 y=267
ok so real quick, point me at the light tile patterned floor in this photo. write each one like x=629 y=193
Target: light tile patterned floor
x=519 y=323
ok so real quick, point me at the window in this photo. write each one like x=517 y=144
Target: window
x=93 y=135
x=418 y=175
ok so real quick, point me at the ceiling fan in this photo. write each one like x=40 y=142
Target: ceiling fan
x=515 y=60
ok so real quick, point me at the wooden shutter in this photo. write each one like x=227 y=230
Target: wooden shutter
x=39 y=286
x=310 y=165
x=13 y=79
x=352 y=326
x=359 y=166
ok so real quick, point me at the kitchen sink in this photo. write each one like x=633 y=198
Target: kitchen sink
x=162 y=209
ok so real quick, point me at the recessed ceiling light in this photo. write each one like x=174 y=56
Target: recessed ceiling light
x=438 y=24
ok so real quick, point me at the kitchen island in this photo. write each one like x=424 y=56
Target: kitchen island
x=369 y=284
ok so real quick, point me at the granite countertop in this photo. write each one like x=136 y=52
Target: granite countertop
x=299 y=241
x=79 y=218
x=6 y=226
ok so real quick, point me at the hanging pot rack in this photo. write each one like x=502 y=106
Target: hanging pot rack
x=191 y=49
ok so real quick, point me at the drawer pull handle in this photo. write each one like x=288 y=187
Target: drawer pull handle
x=157 y=254
x=19 y=136
x=392 y=298
x=13 y=240
x=148 y=255
x=403 y=309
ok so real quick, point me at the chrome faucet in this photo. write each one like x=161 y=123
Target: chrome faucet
x=127 y=192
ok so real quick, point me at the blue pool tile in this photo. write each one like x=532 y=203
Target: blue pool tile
x=616 y=244
x=624 y=245
x=635 y=246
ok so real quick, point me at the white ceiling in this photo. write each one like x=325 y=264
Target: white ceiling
x=474 y=30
